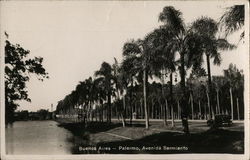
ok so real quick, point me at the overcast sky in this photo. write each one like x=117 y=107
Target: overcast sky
x=74 y=38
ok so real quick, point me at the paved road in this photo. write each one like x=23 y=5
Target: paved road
x=194 y=125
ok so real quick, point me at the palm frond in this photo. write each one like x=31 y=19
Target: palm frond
x=217 y=59
x=194 y=49
x=223 y=44
x=242 y=35
x=233 y=19
x=205 y=26
x=105 y=70
x=173 y=18
x=131 y=47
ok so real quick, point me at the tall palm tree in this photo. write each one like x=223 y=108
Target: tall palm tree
x=82 y=91
x=218 y=82
x=206 y=29
x=183 y=42
x=233 y=19
x=198 y=89
x=155 y=95
x=164 y=60
x=75 y=97
x=235 y=80
x=101 y=95
x=136 y=52
x=105 y=72
x=120 y=80
x=90 y=96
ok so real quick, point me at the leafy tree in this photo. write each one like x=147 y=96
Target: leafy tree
x=43 y=114
x=18 y=68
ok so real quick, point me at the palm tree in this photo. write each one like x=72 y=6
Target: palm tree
x=218 y=82
x=92 y=94
x=206 y=29
x=235 y=80
x=136 y=53
x=105 y=73
x=164 y=60
x=183 y=42
x=155 y=95
x=75 y=97
x=120 y=80
x=196 y=86
x=233 y=19
x=82 y=100
x=101 y=95
x=82 y=91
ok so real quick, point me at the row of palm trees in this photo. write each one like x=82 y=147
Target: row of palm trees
x=222 y=89
x=171 y=48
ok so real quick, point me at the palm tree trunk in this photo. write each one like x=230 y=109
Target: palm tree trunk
x=209 y=87
x=160 y=112
x=100 y=110
x=91 y=112
x=205 y=110
x=102 y=113
x=172 y=115
x=192 y=105
x=116 y=113
x=136 y=111
x=109 y=108
x=142 y=113
x=232 y=103
x=145 y=98
x=123 y=111
x=178 y=105
x=218 y=100
x=183 y=100
x=160 y=109
x=166 y=112
x=96 y=115
x=200 y=109
x=152 y=108
x=131 y=112
x=208 y=104
x=164 y=108
x=131 y=102
x=171 y=98
x=120 y=112
x=238 y=110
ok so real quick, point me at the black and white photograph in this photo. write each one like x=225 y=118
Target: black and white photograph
x=124 y=79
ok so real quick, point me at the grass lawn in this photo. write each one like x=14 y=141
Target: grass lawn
x=115 y=139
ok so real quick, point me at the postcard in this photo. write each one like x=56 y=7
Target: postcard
x=124 y=79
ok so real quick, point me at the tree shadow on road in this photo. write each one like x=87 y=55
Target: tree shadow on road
x=216 y=141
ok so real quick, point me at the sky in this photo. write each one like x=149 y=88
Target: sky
x=75 y=37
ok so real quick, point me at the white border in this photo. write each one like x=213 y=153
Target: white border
x=244 y=156
x=2 y=93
